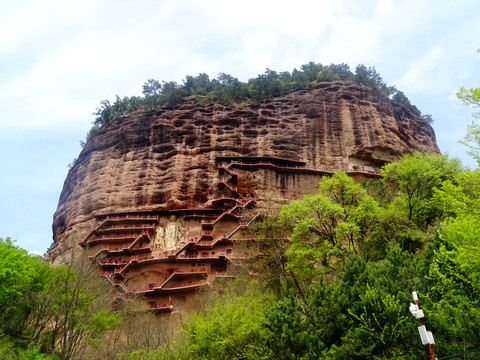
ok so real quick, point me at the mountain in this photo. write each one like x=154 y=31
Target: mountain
x=161 y=199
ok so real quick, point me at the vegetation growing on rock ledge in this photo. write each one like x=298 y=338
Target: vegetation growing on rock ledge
x=228 y=90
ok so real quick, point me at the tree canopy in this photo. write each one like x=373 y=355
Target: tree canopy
x=57 y=309
x=471 y=97
x=227 y=90
x=472 y=139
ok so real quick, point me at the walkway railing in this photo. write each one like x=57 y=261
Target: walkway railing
x=199 y=242
x=363 y=170
x=125 y=227
x=114 y=237
x=121 y=218
x=161 y=286
x=287 y=167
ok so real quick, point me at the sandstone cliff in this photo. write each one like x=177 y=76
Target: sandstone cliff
x=167 y=159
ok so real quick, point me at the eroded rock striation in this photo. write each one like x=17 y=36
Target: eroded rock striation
x=174 y=187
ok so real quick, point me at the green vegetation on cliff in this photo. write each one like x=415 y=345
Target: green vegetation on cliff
x=228 y=90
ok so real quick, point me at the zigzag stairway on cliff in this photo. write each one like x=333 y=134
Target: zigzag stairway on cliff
x=160 y=202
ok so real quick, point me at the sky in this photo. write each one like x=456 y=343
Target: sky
x=59 y=59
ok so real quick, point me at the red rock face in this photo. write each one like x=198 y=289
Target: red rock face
x=166 y=160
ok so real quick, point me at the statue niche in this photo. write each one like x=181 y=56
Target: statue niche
x=169 y=237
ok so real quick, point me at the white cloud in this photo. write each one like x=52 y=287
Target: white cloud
x=36 y=253
x=17 y=24
x=424 y=73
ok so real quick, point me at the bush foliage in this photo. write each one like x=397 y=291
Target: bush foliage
x=228 y=90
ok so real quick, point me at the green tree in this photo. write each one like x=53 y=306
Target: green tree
x=60 y=308
x=222 y=95
x=458 y=233
x=103 y=113
x=292 y=332
x=453 y=280
x=375 y=297
x=311 y=70
x=361 y=313
x=460 y=196
x=172 y=93
x=393 y=226
x=378 y=323
x=152 y=90
x=79 y=311
x=455 y=287
x=335 y=72
x=416 y=175
x=21 y=275
x=370 y=77
x=272 y=241
x=472 y=139
x=469 y=96
x=328 y=226
x=120 y=109
x=198 y=85
x=401 y=98
x=266 y=85
x=91 y=133
x=227 y=88
x=230 y=329
x=428 y=118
